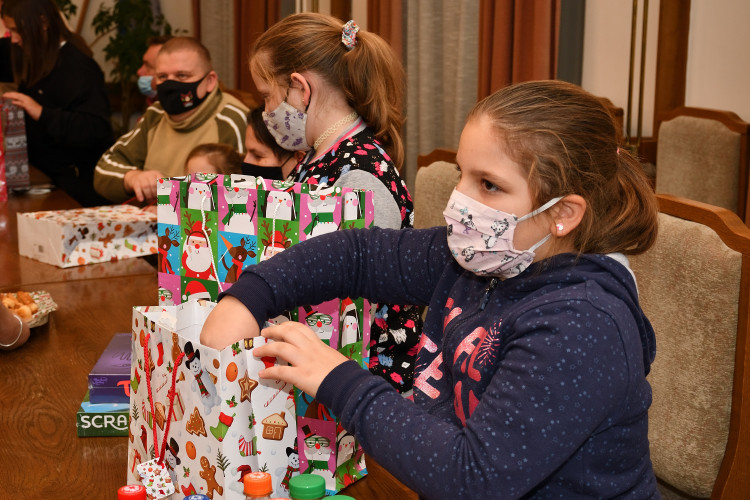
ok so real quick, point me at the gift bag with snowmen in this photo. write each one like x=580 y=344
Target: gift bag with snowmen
x=212 y=227
x=203 y=417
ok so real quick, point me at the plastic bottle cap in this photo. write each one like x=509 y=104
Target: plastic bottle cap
x=131 y=492
x=196 y=496
x=307 y=487
x=258 y=484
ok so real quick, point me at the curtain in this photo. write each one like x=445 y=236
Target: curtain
x=385 y=17
x=250 y=20
x=441 y=66
x=518 y=42
x=214 y=17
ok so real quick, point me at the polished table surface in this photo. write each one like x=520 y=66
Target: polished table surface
x=42 y=383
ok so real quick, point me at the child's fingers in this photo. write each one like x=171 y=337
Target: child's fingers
x=277 y=372
x=290 y=332
x=277 y=349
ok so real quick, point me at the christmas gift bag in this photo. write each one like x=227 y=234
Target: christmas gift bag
x=201 y=417
x=212 y=227
x=15 y=154
x=3 y=182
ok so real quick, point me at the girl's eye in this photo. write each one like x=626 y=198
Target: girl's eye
x=488 y=186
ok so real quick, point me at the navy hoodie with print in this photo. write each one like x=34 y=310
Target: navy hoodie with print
x=531 y=387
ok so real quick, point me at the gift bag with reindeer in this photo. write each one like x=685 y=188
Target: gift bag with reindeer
x=212 y=227
x=200 y=418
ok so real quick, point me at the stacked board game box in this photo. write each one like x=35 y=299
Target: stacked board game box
x=104 y=419
x=104 y=410
x=109 y=379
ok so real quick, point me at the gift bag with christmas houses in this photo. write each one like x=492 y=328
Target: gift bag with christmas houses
x=207 y=418
x=204 y=415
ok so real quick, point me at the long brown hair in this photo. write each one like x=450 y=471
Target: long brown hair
x=41 y=27
x=566 y=141
x=370 y=74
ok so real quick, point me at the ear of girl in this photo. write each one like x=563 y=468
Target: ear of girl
x=567 y=215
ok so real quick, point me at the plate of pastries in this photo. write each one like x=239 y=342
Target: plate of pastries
x=32 y=307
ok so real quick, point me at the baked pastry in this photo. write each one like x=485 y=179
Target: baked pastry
x=20 y=303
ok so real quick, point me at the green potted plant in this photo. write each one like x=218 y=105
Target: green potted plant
x=129 y=24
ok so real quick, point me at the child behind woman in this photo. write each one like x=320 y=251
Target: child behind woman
x=531 y=374
x=264 y=157
x=214 y=158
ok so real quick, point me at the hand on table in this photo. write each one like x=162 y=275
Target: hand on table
x=14 y=332
x=310 y=360
x=29 y=105
x=142 y=183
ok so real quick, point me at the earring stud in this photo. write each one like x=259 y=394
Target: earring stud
x=559 y=227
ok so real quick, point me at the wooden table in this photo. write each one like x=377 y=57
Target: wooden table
x=43 y=382
x=42 y=386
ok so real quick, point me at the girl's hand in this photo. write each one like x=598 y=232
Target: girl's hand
x=29 y=105
x=310 y=360
x=229 y=322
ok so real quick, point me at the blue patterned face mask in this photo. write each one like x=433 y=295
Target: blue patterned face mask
x=287 y=125
x=481 y=238
x=144 y=86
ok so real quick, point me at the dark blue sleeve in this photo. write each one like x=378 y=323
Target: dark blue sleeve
x=382 y=265
x=552 y=392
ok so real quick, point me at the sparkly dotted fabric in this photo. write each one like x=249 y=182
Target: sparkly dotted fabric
x=542 y=394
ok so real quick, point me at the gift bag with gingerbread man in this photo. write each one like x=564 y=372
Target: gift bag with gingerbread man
x=202 y=418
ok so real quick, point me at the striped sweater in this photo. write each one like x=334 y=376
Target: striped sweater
x=159 y=143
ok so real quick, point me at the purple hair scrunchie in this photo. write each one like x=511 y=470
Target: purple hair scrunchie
x=349 y=35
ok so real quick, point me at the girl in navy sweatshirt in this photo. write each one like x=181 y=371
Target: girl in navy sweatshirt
x=531 y=374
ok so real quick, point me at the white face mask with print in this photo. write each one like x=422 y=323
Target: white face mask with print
x=287 y=125
x=481 y=238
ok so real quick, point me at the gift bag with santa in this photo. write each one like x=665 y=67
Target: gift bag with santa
x=212 y=227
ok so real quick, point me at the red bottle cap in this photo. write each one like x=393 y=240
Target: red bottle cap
x=131 y=492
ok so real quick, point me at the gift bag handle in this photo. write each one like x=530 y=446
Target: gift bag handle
x=159 y=451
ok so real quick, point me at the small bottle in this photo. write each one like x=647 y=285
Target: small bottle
x=131 y=492
x=258 y=486
x=307 y=487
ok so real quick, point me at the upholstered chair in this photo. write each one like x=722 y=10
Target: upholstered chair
x=702 y=154
x=694 y=287
x=436 y=178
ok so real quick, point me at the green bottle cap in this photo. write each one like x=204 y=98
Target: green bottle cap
x=307 y=487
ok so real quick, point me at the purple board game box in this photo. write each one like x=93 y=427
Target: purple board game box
x=109 y=380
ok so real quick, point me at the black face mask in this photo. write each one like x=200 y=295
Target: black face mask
x=179 y=97
x=270 y=173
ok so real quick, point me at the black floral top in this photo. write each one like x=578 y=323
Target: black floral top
x=397 y=328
